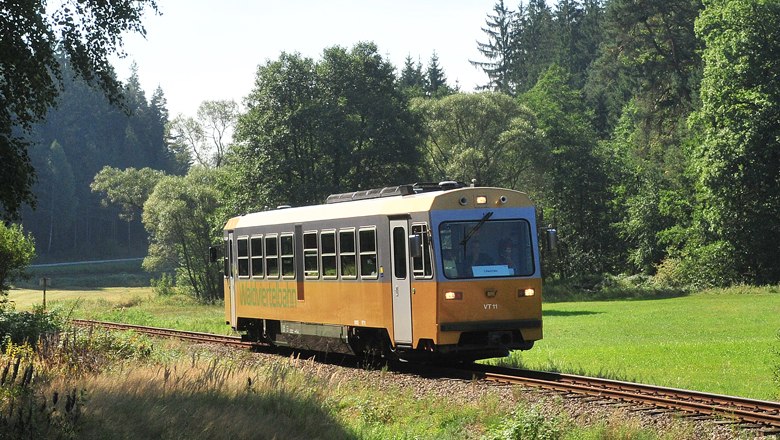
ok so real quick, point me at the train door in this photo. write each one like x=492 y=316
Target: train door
x=232 y=265
x=401 y=285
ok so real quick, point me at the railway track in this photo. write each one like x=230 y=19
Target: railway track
x=748 y=413
x=232 y=341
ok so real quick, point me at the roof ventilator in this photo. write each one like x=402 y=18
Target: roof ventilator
x=393 y=191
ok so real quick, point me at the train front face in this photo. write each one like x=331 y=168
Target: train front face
x=489 y=276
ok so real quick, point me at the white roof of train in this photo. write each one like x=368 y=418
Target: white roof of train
x=378 y=206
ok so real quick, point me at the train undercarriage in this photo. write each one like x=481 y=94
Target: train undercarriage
x=375 y=342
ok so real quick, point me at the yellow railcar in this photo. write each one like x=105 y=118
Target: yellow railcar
x=414 y=272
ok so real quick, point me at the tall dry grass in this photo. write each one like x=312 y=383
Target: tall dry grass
x=206 y=399
x=104 y=385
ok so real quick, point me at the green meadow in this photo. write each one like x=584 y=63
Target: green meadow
x=718 y=341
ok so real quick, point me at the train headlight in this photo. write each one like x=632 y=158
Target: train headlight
x=453 y=295
x=526 y=292
x=481 y=200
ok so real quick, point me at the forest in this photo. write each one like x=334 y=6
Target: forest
x=647 y=133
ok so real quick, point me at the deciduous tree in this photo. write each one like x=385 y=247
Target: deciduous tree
x=738 y=161
x=208 y=135
x=17 y=250
x=575 y=192
x=128 y=188
x=181 y=217
x=484 y=136
x=315 y=128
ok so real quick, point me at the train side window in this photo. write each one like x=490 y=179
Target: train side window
x=243 y=256
x=367 y=243
x=311 y=268
x=288 y=256
x=399 y=252
x=272 y=257
x=421 y=265
x=256 y=252
x=226 y=259
x=347 y=254
x=328 y=247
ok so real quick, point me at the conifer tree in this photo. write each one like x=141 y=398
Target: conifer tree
x=412 y=79
x=503 y=61
x=436 y=81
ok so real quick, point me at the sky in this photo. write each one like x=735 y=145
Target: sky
x=199 y=50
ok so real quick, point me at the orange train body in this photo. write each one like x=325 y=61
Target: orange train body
x=395 y=274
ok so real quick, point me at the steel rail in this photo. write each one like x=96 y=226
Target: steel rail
x=742 y=409
x=234 y=341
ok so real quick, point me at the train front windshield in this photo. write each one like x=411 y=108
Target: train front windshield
x=486 y=248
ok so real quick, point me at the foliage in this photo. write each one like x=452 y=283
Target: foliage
x=180 y=215
x=26 y=414
x=412 y=80
x=128 y=188
x=651 y=194
x=609 y=288
x=485 y=136
x=34 y=36
x=699 y=266
x=165 y=285
x=737 y=163
x=55 y=190
x=528 y=425
x=316 y=128
x=17 y=250
x=500 y=50
x=81 y=136
x=569 y=181
x=650 y=55
x=27 y=327
x=436 y=81
x=206 y=137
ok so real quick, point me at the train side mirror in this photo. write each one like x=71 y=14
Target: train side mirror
x=551 y=236
x=213 y=254
x=415 y=246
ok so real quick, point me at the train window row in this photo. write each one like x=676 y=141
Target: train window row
x=330 y=254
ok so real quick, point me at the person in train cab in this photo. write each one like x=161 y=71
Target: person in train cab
x=505 y=256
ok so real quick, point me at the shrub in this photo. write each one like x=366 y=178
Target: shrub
x=16 y=252
x=21 y=327
x=165 y=285
x=709 y=265
x=607 y=287
x=527 y=425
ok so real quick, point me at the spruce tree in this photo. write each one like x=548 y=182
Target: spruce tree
x=500 y=49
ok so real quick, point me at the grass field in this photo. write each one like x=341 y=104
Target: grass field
x=134 y=305
x=717 y=341
x=723 y=341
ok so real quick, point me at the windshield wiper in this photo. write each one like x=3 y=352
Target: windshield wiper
x=476 y=227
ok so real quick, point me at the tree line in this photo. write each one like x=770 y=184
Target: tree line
x=647 y=133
